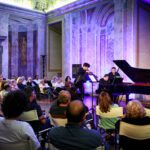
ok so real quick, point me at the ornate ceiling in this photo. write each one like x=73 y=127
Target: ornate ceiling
x=40 y=5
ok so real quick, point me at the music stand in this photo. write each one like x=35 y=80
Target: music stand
x=93 y=79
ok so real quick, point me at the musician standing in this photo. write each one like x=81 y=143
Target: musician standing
x=82 y=77
x=113 y=74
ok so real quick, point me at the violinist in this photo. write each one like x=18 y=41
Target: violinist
x=82 y=76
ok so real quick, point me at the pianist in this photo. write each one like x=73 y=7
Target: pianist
x=103 y=84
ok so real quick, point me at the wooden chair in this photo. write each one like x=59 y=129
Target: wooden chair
x=134 y=136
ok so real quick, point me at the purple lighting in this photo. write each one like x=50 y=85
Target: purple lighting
x=146 y=1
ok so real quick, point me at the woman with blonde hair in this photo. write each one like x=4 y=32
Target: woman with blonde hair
x=135 y=113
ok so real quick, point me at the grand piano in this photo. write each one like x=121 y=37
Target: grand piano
x=140 y=78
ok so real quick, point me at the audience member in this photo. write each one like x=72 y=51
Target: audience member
x=12 y=130
x=13 y=85
x=135 y=114
x=33 y=105
x=34 y=85
x=58 y=108
x=73 y=136
x=5 y=89
x=47 y=81
x=36 y=79
x=20 y=85
x=68 y=83
x=58 y=84
x=1 y=81
x=105 y=105
x=23 y=80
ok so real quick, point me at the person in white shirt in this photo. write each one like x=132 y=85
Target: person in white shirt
x=12 y=130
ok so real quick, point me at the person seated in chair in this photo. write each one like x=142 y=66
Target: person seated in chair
x=113 y=74
x=105 y=104
x=11 y=130
x=135 y=114
x=103 y=84
x=73 y=136
x=58 y=108
x=33 y=105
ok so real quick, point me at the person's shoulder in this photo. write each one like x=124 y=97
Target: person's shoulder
x=92 y=133
x=56 y=130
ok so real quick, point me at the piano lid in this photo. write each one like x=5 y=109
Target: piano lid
x=135 y=74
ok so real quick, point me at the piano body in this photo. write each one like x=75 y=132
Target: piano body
x=140 y=77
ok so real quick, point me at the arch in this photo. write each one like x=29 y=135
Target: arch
x=102 y=14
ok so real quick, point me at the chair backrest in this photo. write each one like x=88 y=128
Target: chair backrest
x=138 y=132
x=32 y=118
x=113 y=113
x=147 y=112
x=29 y=116
x=22 y=145
x=58 y=121
x=134 y=136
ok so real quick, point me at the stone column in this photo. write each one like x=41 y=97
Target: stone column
x=14 y=51
x=119 y=28
x=41 y=45
x=2 y=38
x=4 y=17
x=66 y=46
x=30 y=50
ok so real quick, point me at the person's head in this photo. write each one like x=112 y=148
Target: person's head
x=113 y=70
x=23 y=78
x=42 y=81
x=31 y=96
x=76 y=112
x=13 y=82
x=64 y=98
x=67 y=79
x=86 y=66
x=104 y=101
x=30 y=79
x=135 y=109
x=106 y=77
x=19 y=80
x=5 y=86
x=14 y=104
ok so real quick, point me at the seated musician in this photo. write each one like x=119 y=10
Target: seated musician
x=103 y=84
x=113 y=74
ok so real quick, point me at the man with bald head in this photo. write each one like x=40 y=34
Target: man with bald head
x=73 y=136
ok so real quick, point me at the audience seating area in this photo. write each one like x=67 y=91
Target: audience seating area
x=130 y=135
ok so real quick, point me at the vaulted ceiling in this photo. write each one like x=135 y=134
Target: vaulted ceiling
x=39 y=5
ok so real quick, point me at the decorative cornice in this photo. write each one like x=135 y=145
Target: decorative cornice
x=74 y=6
